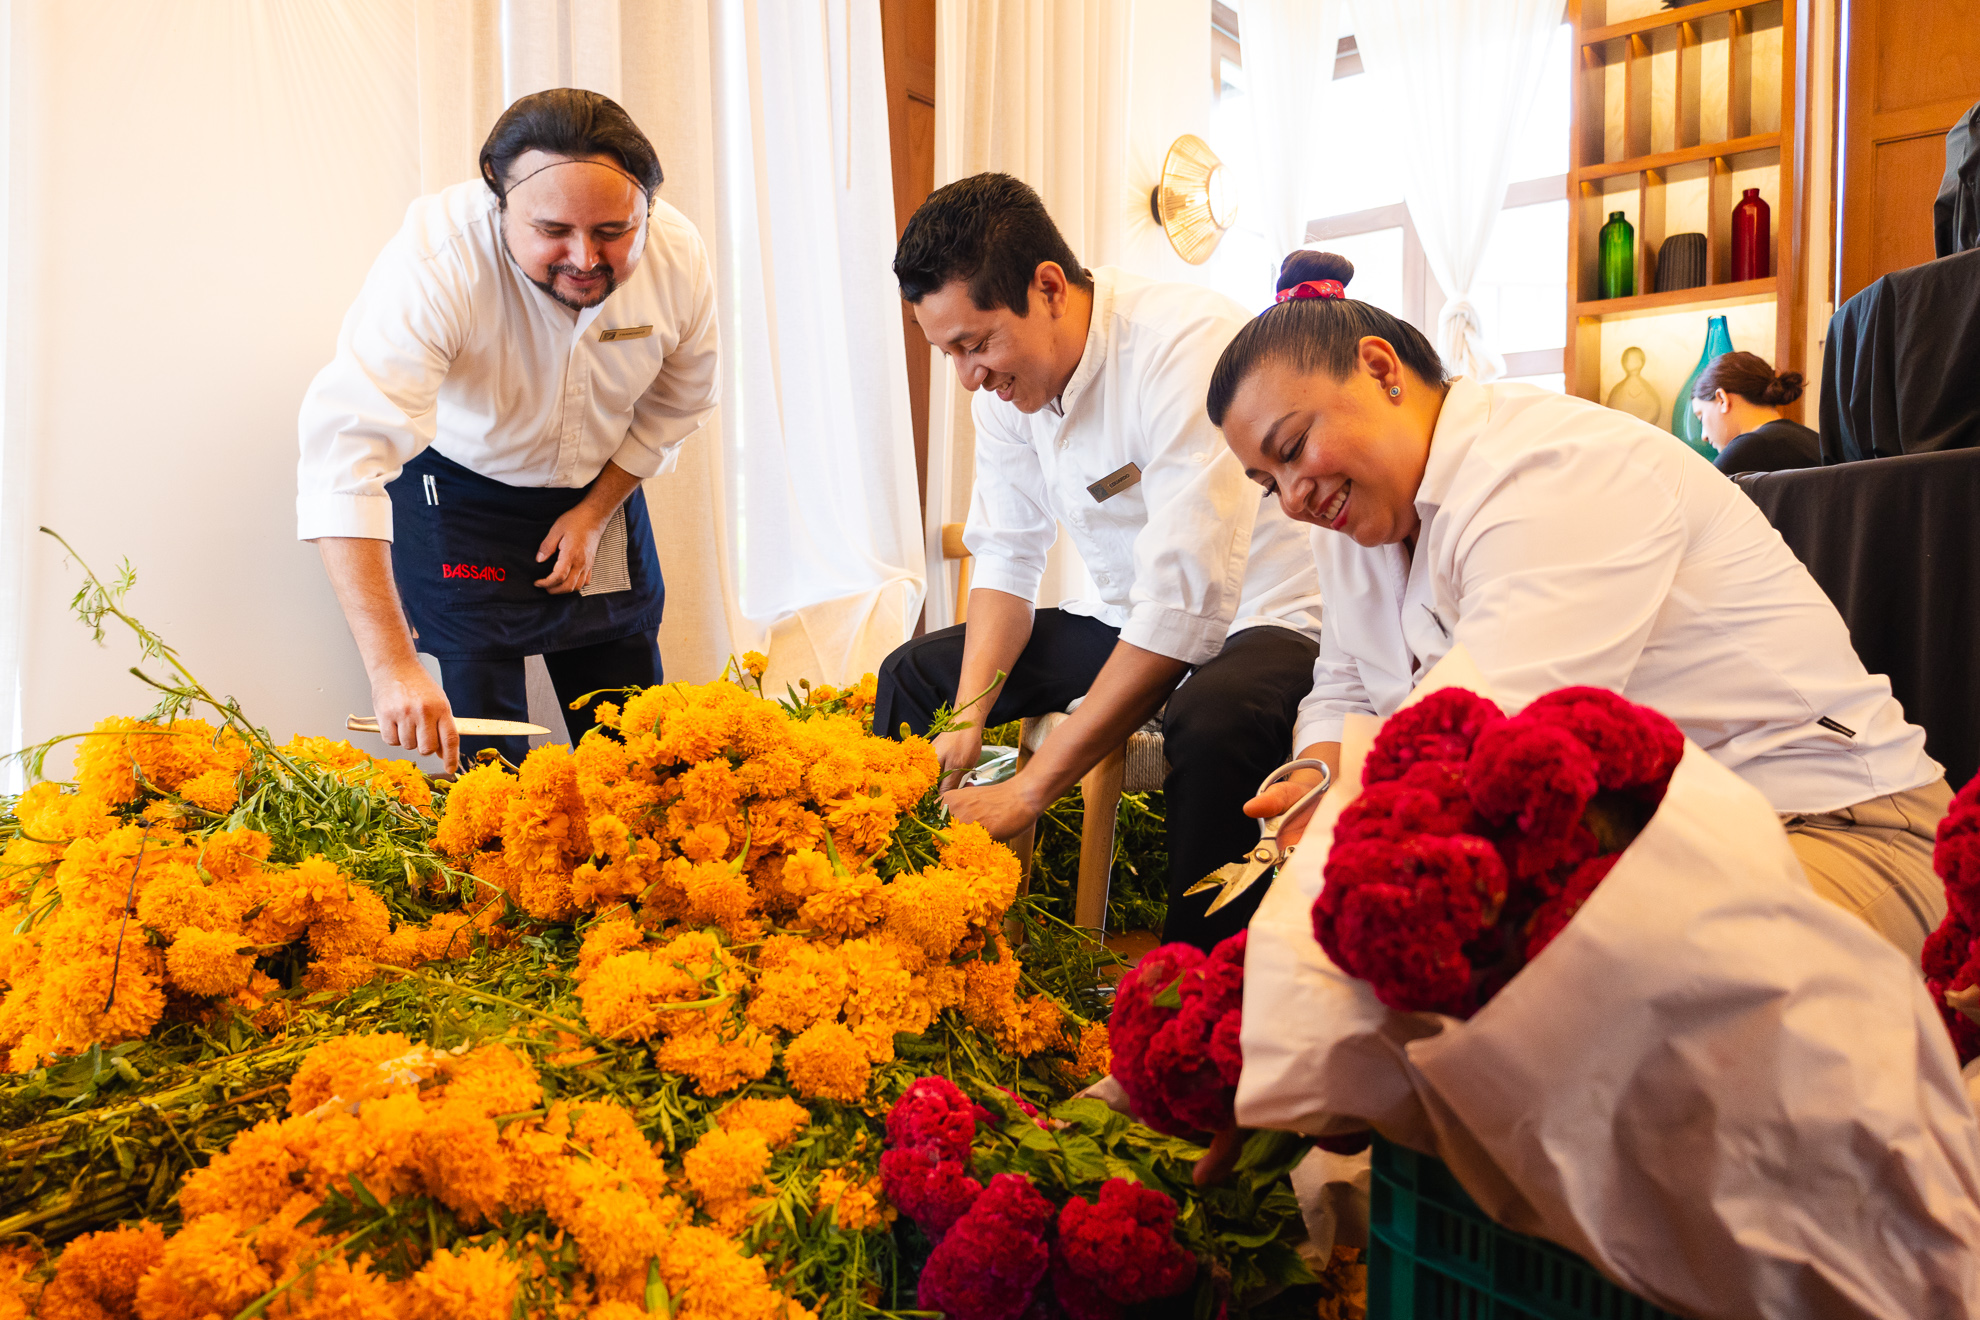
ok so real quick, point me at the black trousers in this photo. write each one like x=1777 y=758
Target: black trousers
x=1227 y=727
x=496 y=690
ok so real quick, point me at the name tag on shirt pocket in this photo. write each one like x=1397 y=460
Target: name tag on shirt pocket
x=1114 y=483
x=624 y=332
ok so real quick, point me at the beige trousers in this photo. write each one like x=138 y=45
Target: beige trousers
x=1875 y=859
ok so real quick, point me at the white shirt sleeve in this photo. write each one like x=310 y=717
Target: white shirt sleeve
x=1557 y=588
x=1010 y=525
x=371 y=410
x=1337 y=691
x=683 y=396
x=1189 y=558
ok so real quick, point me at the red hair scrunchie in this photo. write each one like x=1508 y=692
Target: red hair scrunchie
x=1313 y=289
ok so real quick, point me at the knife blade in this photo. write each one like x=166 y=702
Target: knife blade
x=472 y=727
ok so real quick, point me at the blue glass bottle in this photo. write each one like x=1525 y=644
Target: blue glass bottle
x=1685 y=424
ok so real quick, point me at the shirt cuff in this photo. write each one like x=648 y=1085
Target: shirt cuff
x=1322 y=727
x=641 y=460
x=1005 y=576
x=1173 y=633
x=367 y=517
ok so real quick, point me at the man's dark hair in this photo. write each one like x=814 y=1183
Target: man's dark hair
x=567 y=121
x=989 y=229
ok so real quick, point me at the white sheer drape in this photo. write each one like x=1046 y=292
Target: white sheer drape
x=1460 y=82
x=1037 y=89
x=828 y=534
x=1288 y=62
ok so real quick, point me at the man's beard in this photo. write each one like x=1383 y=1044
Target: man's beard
x=549 y=286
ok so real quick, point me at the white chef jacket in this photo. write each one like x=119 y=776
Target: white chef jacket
x=450 y=345
x=1188 y=555
x=1565 y=543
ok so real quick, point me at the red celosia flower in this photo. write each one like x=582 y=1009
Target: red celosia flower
x=1124 y=1242
x=1398 y=915
x=1536 y=779
x=933 y=1112
x=1078 y=1297
x=1167 y=1056
x=990 y=1263
x=931 y=1190
x=1556 y=912
x=1635 y=748
x=1951 y=961
x=1441 y=727
x=1957 y=856
x=1429 y=798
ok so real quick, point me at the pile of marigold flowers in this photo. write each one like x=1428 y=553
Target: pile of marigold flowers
x=293 y=1031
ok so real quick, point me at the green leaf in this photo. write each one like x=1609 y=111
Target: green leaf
x=1094 y=1117
x=1171 y=996
x=1085 y=1161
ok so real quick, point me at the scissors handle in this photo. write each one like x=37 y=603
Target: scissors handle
x=1268 y=842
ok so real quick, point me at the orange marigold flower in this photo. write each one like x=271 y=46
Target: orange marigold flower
x=717 y=1280
x=705 y=842
x=798 y=983
x=777 y=1120
x=352 y=922
x=74 y=994
x=726 y=1169
x=1094 y=1058
x=349 y=1068
x=175 y=897
x=605 y=940
x=855 y=1205
x=48 y=813
x=476 y=1283
x=475 y=807
x=611 y=1136
x=715 y=1061
x=214 y=790
x=230 y=855
x=861 y=825
x=203 y=962
x=827 y=1062
x=98 y=1273
x=207 y=1267
x=253 y=1177
x=754 y=663
x=847 y=905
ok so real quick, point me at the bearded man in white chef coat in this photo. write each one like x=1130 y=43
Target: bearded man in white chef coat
x=1088 y=410
x=527 y=349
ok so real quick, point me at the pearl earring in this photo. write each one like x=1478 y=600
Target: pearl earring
x=1395 y=391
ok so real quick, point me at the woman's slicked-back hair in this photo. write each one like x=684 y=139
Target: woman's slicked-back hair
x=989 y=229
x=1316 y=334
x=1748 y=376
x=568 y=121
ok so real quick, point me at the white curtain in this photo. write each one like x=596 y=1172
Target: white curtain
x=828 y=533
x=1460 y=79
x=167 y=431
x=1288 y=62
x=1038 y=89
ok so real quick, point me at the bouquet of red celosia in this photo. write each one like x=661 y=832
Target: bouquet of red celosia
x=1476 y=838
x=1952 y=952
x=1174 y=1036
x=1001 y=1249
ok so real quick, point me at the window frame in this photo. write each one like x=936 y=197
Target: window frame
x=1423 y=297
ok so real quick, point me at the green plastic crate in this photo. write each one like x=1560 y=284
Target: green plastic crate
x=1434 y=1255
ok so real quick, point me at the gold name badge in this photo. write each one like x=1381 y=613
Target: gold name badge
x=1114 y=483
x=624 y=332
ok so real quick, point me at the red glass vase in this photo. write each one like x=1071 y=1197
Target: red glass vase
x=1753 y=241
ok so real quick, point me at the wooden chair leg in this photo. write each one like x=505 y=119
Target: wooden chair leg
x=1100 y=794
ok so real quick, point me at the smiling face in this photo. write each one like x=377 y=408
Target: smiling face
x=575 y=227
x=1027 y=360
x=1341 y=454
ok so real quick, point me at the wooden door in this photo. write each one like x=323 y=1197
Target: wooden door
x=907 y=30
x=1912 y=68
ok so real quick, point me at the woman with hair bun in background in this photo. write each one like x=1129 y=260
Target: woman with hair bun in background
x=1563 y=543
x=1739 y=398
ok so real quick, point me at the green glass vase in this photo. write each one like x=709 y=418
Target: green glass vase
x=1618 y=257
x=1686 y=424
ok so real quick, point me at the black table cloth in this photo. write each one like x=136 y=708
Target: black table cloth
x=1901 y=372
x=1896 y=545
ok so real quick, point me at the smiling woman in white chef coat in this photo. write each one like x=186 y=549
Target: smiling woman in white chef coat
x=1565 y=543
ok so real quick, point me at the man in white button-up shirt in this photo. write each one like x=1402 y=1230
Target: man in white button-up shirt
x=1089 y=413
x=527 y=349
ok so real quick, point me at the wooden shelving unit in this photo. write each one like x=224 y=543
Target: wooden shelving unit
x=1674 y=111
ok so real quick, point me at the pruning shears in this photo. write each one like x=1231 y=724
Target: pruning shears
x=1235 y=877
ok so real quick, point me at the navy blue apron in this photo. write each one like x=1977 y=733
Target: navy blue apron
x=464 y=554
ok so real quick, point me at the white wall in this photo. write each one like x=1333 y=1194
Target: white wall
x=197 y=191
